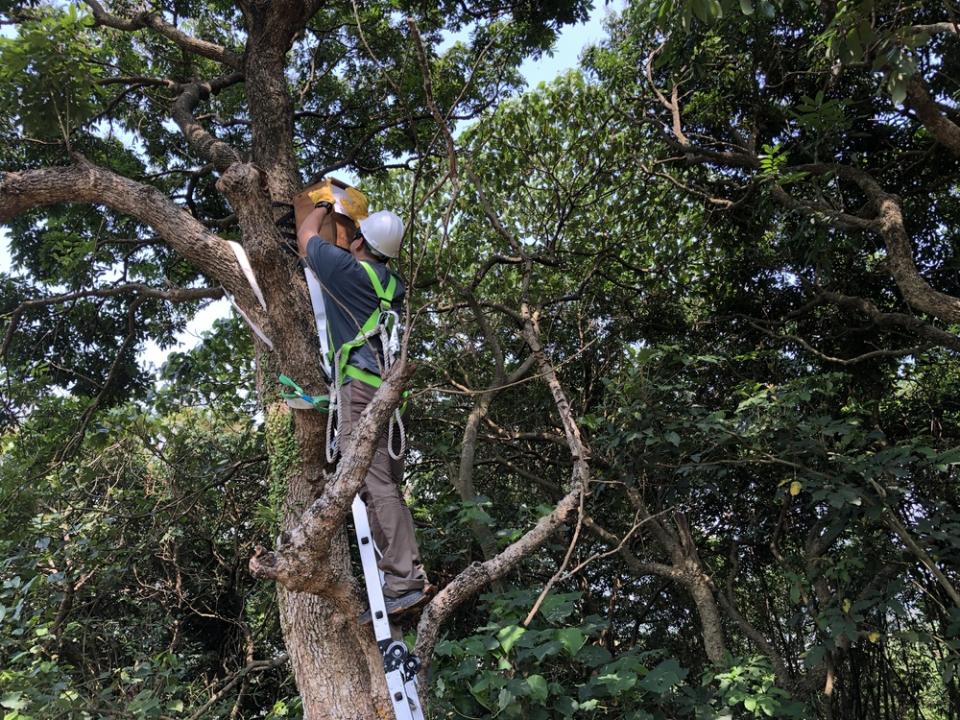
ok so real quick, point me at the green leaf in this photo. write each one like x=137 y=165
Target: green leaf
x=572 y=640
x=617 y=682
x=593 y=656
x=898 y=91
x=558 y=607
x=814 y=656
x=948 y=458
x=14 y=701
x=509 y=635
x=538 y=687
x=663 y=677
x=746 y=6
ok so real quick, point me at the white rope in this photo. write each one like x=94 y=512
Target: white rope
x=390 y=342
x=333 y=407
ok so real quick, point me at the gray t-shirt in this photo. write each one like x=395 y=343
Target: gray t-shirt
x=349 y=298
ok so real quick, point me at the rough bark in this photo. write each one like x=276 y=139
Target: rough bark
x=221 y=154
x=687 y=568
x=464 y=478
x=701 y=590
x=149 y=19
x=691 y=578
x=300 y=561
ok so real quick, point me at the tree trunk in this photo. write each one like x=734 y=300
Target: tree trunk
x=336 y=665
x=712 y=629
x=463 y=481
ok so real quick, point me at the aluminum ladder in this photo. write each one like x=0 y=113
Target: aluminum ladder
x=400 y=666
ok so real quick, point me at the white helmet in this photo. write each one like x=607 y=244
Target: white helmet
x=383 y=231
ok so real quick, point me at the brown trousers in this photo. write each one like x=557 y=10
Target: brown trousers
x=390 y=518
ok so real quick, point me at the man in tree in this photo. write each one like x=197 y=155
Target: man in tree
x=357 y=286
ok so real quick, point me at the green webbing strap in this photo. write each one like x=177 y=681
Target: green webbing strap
x=374 y=381
x=386 y=299
x=318 y=402
x=386 y=296
x=359 y=374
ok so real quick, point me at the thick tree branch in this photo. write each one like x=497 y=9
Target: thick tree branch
x=151 y=20
x=220 y=153
x=888 y=222
x=868 y=309
x=85 y=182
x=673 y=105
x=936 y=28
x=944 y=130
x=915 y=289
x=842 y=220
x=727 y=601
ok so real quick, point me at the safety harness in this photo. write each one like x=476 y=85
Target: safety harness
x=384 y=322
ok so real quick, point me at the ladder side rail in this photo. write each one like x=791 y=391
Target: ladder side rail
x=371 y=573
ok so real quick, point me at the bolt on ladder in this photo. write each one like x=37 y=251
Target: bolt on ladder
x=399 y=665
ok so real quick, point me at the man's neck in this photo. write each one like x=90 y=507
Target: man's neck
x=366 y=257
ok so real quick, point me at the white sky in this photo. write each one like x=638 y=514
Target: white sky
x=565 y=55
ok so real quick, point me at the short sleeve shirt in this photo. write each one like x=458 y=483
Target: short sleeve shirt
x=349 y=298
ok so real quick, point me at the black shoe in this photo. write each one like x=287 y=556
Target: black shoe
x=397 y=605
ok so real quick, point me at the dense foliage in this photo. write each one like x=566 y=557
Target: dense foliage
x=772 y=524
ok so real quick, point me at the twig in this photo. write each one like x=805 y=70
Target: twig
x=255 y=666
x=563 y=565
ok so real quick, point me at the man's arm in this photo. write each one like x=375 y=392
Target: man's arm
x=311 y=226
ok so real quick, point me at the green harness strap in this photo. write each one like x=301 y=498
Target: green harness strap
x=317 y=402
x=385 y=296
